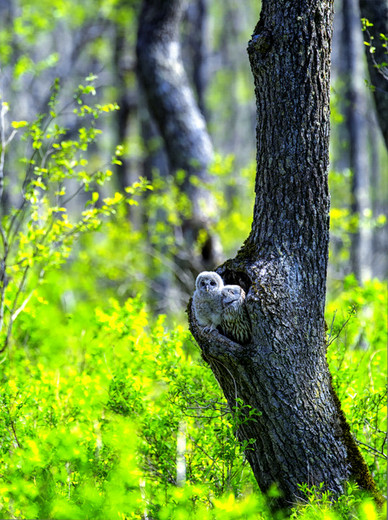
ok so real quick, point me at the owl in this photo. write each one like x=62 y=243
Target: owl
x=235 y=322
x=207 y=299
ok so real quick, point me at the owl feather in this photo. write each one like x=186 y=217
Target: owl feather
x=235 y=321
x=207 y=299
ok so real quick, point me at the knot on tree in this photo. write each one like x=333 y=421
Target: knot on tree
x=260 y=43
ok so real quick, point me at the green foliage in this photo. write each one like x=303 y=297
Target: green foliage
x=99 y=413
x=95 y=409
x=99 y=397
x=318 y=504
x=133 y=255
x=38 y=233
x=34 y=24
x=357 y=355
x=344 y=222
x=370 y=43
x=106 y=410
x=234 y=218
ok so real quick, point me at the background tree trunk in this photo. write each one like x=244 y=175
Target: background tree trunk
x=126 y=100
x=161 y=289
x=301 y=435
x=194 y=48
x=356 y=111
x=376 y=12
x=182 y=126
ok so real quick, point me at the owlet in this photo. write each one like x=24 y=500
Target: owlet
x=235 y=322
x=207 y=299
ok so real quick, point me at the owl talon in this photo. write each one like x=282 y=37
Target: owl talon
x=209 y=329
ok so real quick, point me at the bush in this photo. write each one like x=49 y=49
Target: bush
x=100 y=411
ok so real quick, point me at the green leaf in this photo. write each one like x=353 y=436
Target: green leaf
x=19 y=124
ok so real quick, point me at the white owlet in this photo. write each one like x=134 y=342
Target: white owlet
x=207 y=299
x=235 y=322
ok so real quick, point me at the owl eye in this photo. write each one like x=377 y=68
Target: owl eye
x=212 y=282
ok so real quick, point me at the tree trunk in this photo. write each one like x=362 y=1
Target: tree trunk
x=378 y=202
x=195 y=49
x=173 y=107
x=126 y=101
x=376 y=12
x=161 y=286
x=356 y=111
x=301 y=435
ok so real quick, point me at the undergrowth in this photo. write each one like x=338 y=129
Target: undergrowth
x=108 y=413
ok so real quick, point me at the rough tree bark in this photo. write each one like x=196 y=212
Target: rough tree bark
x=301 y=435
x=376 y=12
x=182 y=126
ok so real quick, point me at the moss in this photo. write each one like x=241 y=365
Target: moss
x=358 y=466
x=248 y=251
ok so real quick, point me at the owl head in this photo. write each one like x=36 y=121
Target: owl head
x=209 y=282
x=231 y=294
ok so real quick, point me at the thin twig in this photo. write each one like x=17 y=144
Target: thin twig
x=14 y=306
x=3 y=147
x=22 y=306
x=331 y=339
x=373 y=450
x=11 y=422
x=3 y=268
x=233 y=379
x=379 y=68
x=331 y=327
x=3 y=274
x=384 y=441
x=203 y=451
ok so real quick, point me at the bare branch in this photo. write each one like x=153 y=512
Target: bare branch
x=371 y=449
x=331 y=339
